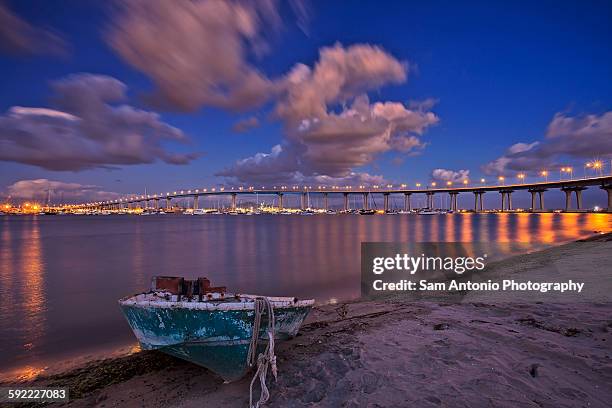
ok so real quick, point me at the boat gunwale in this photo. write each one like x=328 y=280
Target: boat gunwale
x=228 y=304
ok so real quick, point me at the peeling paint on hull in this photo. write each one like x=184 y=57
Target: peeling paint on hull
x=214 y=337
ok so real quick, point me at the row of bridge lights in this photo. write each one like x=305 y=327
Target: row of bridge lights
x=251 y=188
x=596 y=165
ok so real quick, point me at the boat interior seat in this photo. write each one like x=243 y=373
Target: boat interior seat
x=180 y=286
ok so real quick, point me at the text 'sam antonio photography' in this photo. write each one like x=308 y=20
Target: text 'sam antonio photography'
x=305 y=203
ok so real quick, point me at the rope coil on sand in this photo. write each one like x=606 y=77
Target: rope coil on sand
x=267 y=358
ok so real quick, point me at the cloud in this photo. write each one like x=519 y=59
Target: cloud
x=340 y=74
x=200 y=53
x=88 y=128
x=17 y=36
x=196 y=52
x=450 y=175
x=303 y=13
x=516 y=155
x=280 y=166
x=321 y=139
x=60 y=192
x=246 y=124
x=567 y=138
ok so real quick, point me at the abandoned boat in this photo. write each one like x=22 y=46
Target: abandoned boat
x=209 y=327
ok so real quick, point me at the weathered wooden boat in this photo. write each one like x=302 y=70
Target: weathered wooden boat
x=207 y=326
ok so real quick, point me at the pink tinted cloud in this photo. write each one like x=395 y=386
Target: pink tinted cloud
x=88 y=127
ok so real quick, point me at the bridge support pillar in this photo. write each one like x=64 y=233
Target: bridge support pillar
x=195 y=202
x=156 y=203
x=303 y=200
x=506 y=200
x=325 y=202
x=168 y=204
x=366 y=204
x=609 y=191
x=568 y=196
x=407 y=203
x=280 y=201
x=540 y=192
x=453 y=201
x=430 y=200
x=478 y=201
x=579 y=198
x=386 y=201
x=346 y=201
x=568 y=199
x=233 y=202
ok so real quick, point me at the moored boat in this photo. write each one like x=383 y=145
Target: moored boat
x=206 y=325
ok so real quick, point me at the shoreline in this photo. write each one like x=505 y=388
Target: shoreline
x=362 y=349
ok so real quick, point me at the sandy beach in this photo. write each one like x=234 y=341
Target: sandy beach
x=390 y=353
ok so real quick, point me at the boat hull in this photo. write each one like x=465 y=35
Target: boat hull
x=215 y=338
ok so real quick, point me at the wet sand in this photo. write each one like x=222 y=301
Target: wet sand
x=393 y=353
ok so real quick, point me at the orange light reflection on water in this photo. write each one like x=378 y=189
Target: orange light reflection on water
x=33 y=289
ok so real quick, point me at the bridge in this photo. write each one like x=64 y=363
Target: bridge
x=571 y=187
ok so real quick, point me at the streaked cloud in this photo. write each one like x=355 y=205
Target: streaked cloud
x=568 y=138
x=454 y=176
x=58 y=191
x=202 y=53
x=88 y=126
x=246 y=124
x=331 y=127
x=198 y=52
x=17 y=36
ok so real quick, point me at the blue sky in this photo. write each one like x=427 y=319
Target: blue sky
x=499 y=73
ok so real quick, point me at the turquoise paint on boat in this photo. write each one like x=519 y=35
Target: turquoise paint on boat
x=212 y=333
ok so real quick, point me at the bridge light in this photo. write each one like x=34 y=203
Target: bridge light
x=418 y=184
x=466 y=181
x=433 y=184
x=404 y=185
x=544 y=173
x=449 y=183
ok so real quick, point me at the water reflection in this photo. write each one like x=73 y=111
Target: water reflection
x=7 y=269
x=62 y=275
x=32 y=289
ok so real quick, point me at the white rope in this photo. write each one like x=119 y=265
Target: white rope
x=265 y=359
